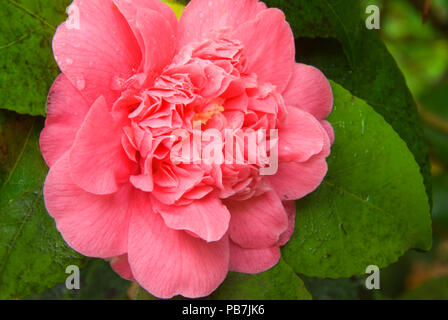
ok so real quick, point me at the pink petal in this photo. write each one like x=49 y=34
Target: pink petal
x=130 y=9
x=202 y=18
x=159 y=41
x=290 y=207
x=300 y=136
x=98 y=161
x=168 y=262
x=94 y=225
x=294 y=180
x=329 y=129
x=169 y=189
x=208 y=218
x=66 y=109
x=121 y=266
x=310 y=91
x=257 y=222
x=95 y=47
x=328 y=133
x=198 y=192
x=144 y=181
x=273 y=58
x=252 y=260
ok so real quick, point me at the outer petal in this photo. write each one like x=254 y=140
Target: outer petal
x=66 y=109
x=168 y=262
x=93 y=225
x=252 y=260
x=273 y=58
x=257 y=222
x=159 y=41
x=208 y=217
x=130 y=9
x=98 y=161
x=95 y=47
x=329 y=129
x=310 y=91
x=290 y=207
x=328 y=133
x=300 y=136
x=294 y=180
x=202 y=18
x=121 y=266
x=154 y=25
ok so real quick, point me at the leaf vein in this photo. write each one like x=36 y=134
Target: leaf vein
x=21 y=38
x=32 y=14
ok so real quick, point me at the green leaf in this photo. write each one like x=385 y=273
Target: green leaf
x=177 y=7
x=335 y=289
x=372 y=205
x=26 y=60
x=142 y=294
x=98 y=282
x=278 y=283
x=33 y=256
x=332 y=36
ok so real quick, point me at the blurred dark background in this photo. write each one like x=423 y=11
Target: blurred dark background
x=416 y=34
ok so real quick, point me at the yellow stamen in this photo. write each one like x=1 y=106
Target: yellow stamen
x=210 y=111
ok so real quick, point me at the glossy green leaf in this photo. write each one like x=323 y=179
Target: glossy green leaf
x=278 y=283
x=335 y=289
x=26 y=60
x=371 y=207
x=97 y=282
x=33 y=256
x=142 y=294
x=177 y=6
x=331 y=35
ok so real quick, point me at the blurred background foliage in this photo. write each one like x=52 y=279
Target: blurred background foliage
x=416 y=34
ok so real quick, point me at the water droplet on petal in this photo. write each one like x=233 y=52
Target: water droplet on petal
x=80 y=83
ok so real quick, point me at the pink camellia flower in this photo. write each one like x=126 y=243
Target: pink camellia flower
x=132 y=74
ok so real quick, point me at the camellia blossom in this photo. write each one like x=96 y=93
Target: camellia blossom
x=132 y=74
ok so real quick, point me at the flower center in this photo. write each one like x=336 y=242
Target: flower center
x=210 y=111
x=207 y=83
